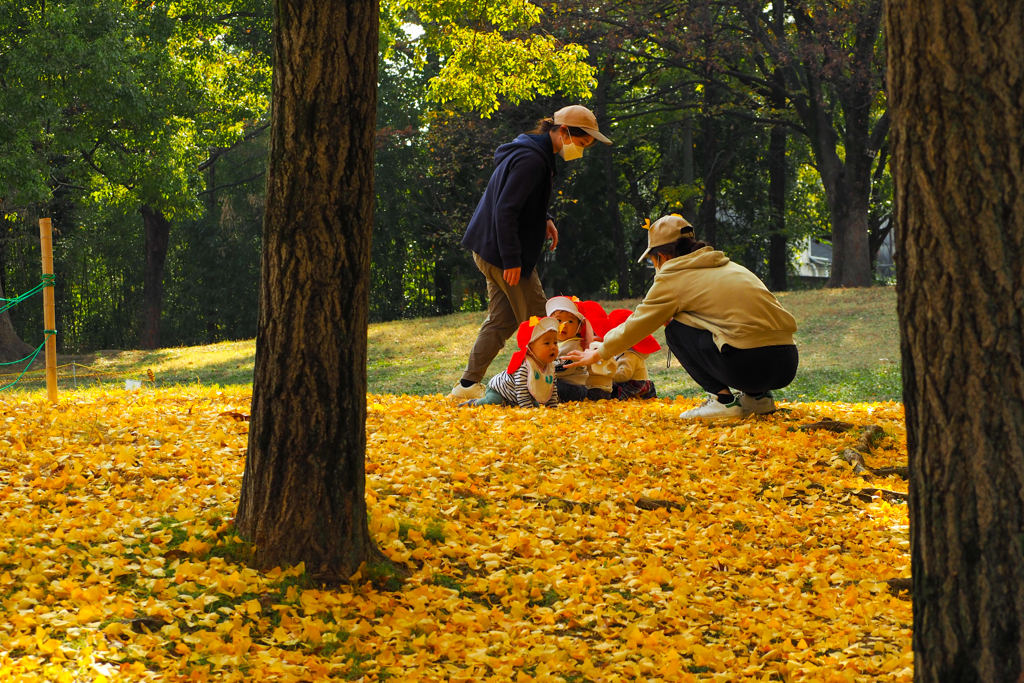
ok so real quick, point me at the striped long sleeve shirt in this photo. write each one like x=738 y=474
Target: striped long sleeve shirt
x=514 y=390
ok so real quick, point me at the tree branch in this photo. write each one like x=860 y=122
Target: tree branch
x=221 y=151
x=235 y=184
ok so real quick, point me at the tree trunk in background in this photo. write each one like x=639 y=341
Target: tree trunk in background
x=611 y=185
x=443 y=288
x=622 y=252
x=707 y=224
x=778 y=249
x=848 y=212
x=158 y=232
x=956 y=96
x=11 y=346
x=303 y=491
x=690 y=205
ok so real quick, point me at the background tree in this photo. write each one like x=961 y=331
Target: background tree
x=958 y=144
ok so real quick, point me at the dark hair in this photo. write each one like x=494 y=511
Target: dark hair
x=547 y=125
x=681 y=247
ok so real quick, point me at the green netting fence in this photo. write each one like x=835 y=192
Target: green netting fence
x=8 y=304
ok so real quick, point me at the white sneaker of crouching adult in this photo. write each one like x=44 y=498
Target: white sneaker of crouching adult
x=758 y=406
x=712 y=409
x=468 y=393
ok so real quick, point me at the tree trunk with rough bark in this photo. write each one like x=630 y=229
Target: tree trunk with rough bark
x=956 y=93
x=158 y=231
x=303 y=491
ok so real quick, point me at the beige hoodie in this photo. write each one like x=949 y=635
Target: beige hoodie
x=708 y=291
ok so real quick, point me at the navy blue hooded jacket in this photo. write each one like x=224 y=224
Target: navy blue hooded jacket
x=509 y=225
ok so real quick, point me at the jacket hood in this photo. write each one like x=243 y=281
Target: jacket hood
x=524 y=142
x=705 y=257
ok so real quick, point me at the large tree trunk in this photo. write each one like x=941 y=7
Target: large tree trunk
x=955 y=70
x=302 y=496
x=158 y=232
x=690 y=204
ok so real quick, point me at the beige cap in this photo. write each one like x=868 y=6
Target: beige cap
x=580 y=117
x=666 y=230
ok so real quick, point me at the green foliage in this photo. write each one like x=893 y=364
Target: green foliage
x=490 y=51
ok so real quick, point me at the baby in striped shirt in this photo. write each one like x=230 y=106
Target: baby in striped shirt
x=529 y=380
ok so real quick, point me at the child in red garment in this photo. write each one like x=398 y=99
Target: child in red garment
x=599 y=378
x=574 y=334
x=631 y=379
x=529 y=380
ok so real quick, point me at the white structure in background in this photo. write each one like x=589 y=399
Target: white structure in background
x=815 y=260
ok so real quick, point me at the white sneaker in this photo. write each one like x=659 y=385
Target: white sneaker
x=468 y=393
x=711 y=409
x=758 y=406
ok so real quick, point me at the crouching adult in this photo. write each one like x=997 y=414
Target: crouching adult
x=726 y=329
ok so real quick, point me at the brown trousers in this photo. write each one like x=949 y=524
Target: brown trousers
x=507 y=306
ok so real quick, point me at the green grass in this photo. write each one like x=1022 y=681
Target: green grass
x=848 y=341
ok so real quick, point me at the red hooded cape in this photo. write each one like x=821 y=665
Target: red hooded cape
x=646 y=345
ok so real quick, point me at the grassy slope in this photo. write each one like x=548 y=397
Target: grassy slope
x=848 y=340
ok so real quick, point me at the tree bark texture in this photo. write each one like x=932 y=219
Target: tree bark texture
x=303 y=491
x=158 y=231
x=956 y=93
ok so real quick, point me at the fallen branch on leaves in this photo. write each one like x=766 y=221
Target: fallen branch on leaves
x=828 y=424
x=855 y=456
x=643 y=502
x=869 y=494
x=897 y=586
x=655 y=503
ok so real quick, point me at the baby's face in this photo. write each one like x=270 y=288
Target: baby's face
x=545 y=349
x=569 y=325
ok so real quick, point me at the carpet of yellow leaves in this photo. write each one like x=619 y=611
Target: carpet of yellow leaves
x=530 y=553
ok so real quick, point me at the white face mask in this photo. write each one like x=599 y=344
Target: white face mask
x=570 y=150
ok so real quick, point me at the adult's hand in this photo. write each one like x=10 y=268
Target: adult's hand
x=512 y=276
x=552 y=234
x=582 y=358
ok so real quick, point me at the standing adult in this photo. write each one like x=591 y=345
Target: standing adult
x=724 y=326
x=509 y=228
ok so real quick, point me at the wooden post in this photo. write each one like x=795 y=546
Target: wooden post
x=49 y=312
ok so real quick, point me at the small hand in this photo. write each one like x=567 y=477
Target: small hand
x=512 y=276
x=582 y=358
x=552 y=234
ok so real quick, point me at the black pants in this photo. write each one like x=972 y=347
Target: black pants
x=752 y=371
x=570 y=392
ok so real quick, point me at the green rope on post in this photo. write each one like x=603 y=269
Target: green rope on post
x=31 y=358
x=47 y=281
